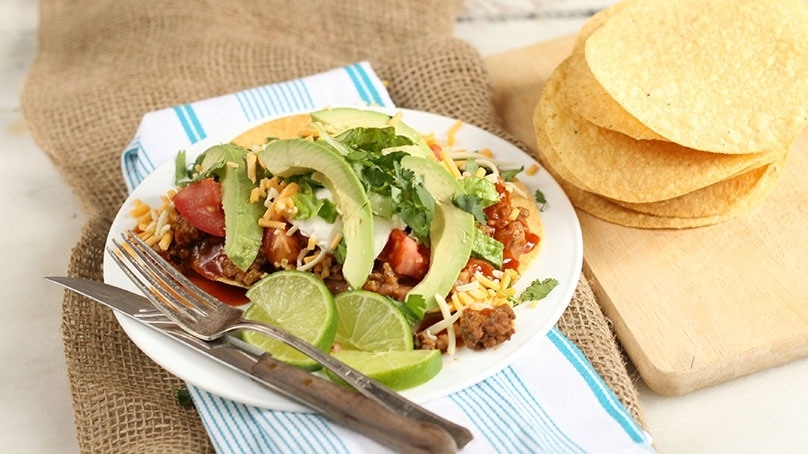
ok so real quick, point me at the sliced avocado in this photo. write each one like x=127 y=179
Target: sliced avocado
x=297 y=156
x=243 y=235
x=344 y=118
x=451 y=236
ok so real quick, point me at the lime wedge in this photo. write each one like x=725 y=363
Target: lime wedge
x=370 y=322
x=396 y=369
x=298 y=303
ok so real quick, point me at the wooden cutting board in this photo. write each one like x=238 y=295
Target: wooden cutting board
x=691 y=307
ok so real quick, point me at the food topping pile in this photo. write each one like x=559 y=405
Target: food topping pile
x=364 y=203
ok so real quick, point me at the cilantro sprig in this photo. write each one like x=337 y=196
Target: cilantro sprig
x=394 y=189
x=537 y=290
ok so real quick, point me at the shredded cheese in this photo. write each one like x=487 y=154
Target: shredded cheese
x=251 y=159
x=450 y=332
x=310 y=262
x=452 y=133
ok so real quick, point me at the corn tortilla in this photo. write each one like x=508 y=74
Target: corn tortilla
x=285 y=127
x=588 y=98
x=701 y=203
x=611 y=212
x=716 y=198
x=721 y=76
x=638 y=171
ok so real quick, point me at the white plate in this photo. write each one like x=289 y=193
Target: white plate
x=561 y=258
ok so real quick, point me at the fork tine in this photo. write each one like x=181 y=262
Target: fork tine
x=153 y=284
x=191 y=292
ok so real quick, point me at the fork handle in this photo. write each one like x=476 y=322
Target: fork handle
x=367 y=387
x=353 y=410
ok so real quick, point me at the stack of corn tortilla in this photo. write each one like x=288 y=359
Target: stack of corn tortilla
x=677 y=114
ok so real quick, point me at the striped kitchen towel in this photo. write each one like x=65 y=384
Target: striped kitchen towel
x=549 y=400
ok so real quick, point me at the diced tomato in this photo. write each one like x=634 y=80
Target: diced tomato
x=279 y=247
x=405 y=255
x=474 y=266
x=200 y=204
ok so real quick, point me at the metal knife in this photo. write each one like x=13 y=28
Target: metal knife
x=335 y=402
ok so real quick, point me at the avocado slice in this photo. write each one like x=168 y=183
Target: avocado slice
x=344 y=118
x=297 y=156
x=451 y=236
x=243 y=235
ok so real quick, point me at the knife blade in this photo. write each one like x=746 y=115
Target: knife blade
x=335 y=402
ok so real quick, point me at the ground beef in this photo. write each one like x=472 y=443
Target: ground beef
x=424 y=341
x=195 y=250
x=485 y=328
x=382 y=280
x=512 y=235
x=385 y=281
x=477 y=329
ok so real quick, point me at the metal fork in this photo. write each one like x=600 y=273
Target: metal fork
x=207 y=318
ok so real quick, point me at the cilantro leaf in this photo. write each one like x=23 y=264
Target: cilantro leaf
x=328 y=211
x=540 y=199
x=394 y=189
x=510 y=174
x=538 y=289
x=470 y=204
x=182 y=395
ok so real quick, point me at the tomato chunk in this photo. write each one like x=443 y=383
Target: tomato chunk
x=280 y=248
x=405 y=255
x=200 y=204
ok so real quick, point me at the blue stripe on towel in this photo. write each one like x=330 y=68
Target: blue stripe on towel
x=280 y=99
x=603 y=394
x=130 y=161
x=529 y=407
x=209 y=416
x=243 y=428
x=246 y=109
x=510 y=417
x=303 y=94
x=277 y=99
x=186 y=125
x=268 y=101
x=136 y=163
x=286 y=95
x=360 y=88
x=377 y=99
x=328 y=440
x=200 y=131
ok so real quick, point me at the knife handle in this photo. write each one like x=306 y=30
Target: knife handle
x=353 y=410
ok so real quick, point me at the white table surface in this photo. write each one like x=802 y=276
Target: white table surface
x=764 y=412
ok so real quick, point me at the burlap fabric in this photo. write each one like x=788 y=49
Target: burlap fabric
x=104 y=63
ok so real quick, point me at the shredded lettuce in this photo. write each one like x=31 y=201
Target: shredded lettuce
x=479 y=193
x=487 y=248
x=372 y=140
